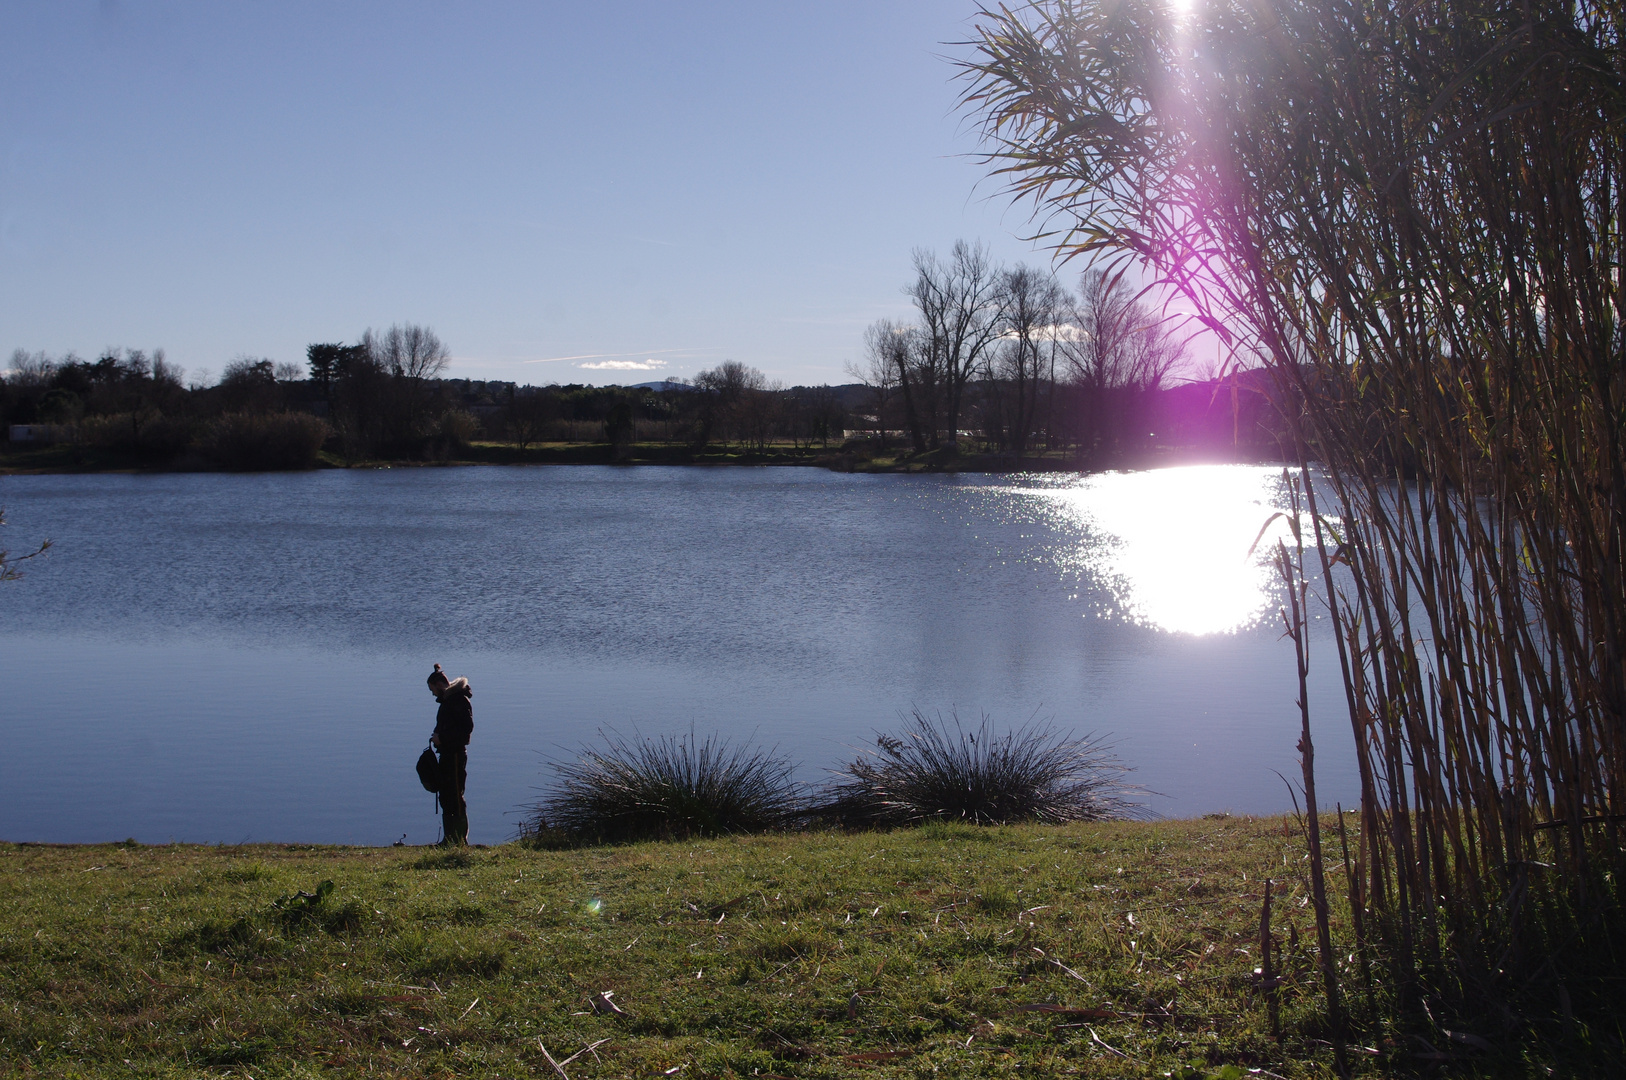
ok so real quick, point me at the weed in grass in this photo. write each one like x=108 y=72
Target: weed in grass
x=303 y=909
x=242 y=875
x=937 y=771
x=481 y=963
x=668 y=788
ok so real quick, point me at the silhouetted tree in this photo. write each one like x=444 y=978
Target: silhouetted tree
x=1116 y=361
x=887 y=354
x=1023 y=360
x=959 y=304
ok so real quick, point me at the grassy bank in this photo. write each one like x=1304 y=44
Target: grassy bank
x=1122 y=949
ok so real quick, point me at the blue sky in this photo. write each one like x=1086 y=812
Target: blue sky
x=658 y=183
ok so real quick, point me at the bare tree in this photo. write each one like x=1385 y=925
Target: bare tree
x=1117 y=358
x=734 y=404
x=1023 y=359
x=886 y=356
x=409 y=351
x=414 y=357
x=959 y=304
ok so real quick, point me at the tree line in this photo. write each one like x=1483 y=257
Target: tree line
x=385 y=396
x=1011 y=357
x=1006 y=356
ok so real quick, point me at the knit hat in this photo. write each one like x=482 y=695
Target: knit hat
x=438 y=677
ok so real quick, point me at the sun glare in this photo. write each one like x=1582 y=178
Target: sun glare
x=1171 y=545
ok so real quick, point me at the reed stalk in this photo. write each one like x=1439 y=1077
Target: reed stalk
x=1413 y=215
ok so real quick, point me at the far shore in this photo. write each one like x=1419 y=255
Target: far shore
x=856 y=456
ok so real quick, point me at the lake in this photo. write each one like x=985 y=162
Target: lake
x=229 y=658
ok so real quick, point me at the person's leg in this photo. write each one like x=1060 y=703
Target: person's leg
x=451 y=795
x=457 y=808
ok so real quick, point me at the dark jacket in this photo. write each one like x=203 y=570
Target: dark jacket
x=454 y=723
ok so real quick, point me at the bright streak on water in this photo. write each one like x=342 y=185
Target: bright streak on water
x=1172 y=545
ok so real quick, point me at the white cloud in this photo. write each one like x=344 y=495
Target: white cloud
x=624 y=365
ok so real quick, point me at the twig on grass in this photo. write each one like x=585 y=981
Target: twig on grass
x=1103 y=1043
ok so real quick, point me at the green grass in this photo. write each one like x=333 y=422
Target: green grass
x=947 y=950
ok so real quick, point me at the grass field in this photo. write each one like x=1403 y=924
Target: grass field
x=1124 y=949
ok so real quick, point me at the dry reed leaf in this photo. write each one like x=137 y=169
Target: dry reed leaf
x=602 y=1004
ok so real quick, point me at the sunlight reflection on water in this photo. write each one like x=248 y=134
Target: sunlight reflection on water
x=1171 y=546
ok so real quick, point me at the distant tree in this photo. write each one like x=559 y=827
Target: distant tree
x=28 y=379
x=1023 y=360
x=820 y=413
x=415 y=357
x=249 y=384
x=886 y=354
x=1118 y=358
x=732 y=400
x=323 y=361
x=959 y=305
x=360 y=398
x=618 y=429
x=527 y=414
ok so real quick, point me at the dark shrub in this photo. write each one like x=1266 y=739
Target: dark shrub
x=933 y=772
x=146 y=435
x=668 y=788
x=249 y=442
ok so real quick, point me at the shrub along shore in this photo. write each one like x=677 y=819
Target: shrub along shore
x=1093 y=949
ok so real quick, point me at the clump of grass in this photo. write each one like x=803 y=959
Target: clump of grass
x=667 y=788
x=940 y=771
x=300 y=909
x=447 y=860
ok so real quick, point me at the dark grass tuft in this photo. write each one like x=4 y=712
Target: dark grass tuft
x=940 y=771
x=668 y=788
x=443 y=860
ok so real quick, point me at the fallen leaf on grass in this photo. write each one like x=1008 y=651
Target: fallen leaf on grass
x=604 y=1006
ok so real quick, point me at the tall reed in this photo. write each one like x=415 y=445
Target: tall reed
x=1413 y=215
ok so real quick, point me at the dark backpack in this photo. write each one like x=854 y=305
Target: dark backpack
x=429 y=770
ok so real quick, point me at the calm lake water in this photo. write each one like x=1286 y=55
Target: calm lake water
x=223 y=658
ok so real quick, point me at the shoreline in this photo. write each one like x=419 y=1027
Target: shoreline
x=850 y=458
x=131 y=844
